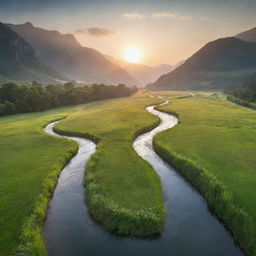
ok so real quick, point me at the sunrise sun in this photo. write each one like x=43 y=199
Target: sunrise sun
x=133 y=55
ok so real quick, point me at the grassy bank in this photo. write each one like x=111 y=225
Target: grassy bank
x=123 y=191
x=214 y=148
x=30 y=162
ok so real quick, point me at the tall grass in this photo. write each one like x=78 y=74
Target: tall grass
x=124 y=193
x=202 y=148
x=115 y=218
x=31 y=240
x=218 y=197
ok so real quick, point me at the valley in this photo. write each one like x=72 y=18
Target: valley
x=127 y=128
x=117 y=167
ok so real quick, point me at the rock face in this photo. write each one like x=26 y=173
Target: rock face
x=64 y=53
x=18 y=61
x=220 y=64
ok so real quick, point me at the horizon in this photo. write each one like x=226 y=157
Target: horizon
x=140 y=25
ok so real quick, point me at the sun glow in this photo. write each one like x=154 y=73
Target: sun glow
x=133 y=55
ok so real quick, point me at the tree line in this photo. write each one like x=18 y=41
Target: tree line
x=247 y=92
x=17 y=98
x=245 y=95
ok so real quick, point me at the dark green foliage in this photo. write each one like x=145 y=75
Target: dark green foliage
x=16 y=98
x=244 y=95
x=242 y=102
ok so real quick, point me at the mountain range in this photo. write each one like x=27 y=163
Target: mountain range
x=249 y=35
x=65 y=54
x=18 y=61
x=30 y=53
x=220 y=64
x=144 y=74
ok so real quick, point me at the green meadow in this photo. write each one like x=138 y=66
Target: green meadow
x=119 y=183
x=28 y=159
x=213 y=147
x=124 y=192
x=216 y=139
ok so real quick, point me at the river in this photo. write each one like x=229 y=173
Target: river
x=190 y=229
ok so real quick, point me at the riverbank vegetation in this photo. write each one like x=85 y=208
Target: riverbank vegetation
x=30 y=162
x=15 y=98
x=123 y=191
x=214 y=148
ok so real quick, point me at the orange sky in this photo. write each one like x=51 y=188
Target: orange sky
x=166 y=31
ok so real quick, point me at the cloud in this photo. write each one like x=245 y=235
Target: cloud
x=184 y=18
x=163 y=15
x=156 y=15
x=95 y=31
x=171 y=15
x=133 y=15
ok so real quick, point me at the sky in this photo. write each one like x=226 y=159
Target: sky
x=164 y=31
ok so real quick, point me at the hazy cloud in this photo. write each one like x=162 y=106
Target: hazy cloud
x=95 y=31
x=163 y=15
x=171 y=15
x=133 y=15
x=184 y=18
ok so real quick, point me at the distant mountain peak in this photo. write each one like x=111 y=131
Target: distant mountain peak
x=219 y=64
x=66 y=54
x=249 y=35
x=28 y=24
x=18 y=61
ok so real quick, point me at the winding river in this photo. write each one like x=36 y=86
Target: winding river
x=190 y=229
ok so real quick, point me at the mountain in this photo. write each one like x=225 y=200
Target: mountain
x=63 y=52
x=179 y=63
x=144 y=74
x=249 y=35
x=18 y=61
x=224 y=63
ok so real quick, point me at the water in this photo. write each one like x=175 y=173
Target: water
x=190 y=229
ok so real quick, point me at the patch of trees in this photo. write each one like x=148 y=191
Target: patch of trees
x=245 y=96
x=246 y=93
x=16 y=98
x=239 y=101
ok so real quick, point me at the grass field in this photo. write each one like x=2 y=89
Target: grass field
x=124 y=192
x=219 y=137
x=27 y=157
x=31 y=160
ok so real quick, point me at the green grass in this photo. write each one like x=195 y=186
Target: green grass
x=30 y=161
x=214 y=147
x=124 y=192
